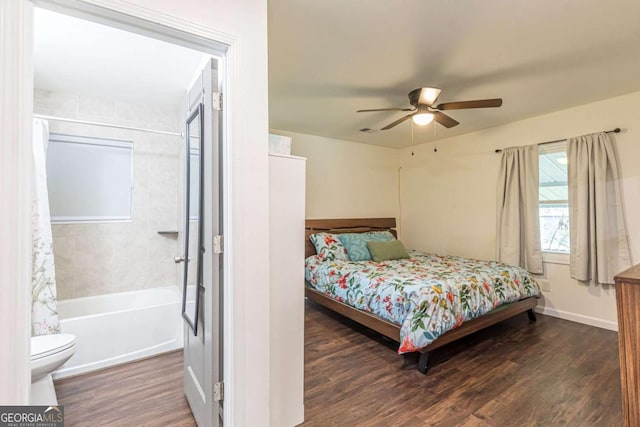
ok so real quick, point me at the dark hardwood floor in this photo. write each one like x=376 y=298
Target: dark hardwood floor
x=551 y=373
x=144 y=393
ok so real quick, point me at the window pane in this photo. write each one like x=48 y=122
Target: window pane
x=553 y=176
x=554 y=227
x=89 y=179
x=553 y=197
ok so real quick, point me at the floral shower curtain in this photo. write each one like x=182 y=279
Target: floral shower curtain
x=44 y=312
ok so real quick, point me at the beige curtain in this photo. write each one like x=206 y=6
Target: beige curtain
x=599 y=247
x=518 y=227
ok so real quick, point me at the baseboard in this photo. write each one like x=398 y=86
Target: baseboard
x=579 y=318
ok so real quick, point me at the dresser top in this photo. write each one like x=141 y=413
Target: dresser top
x=631 y=275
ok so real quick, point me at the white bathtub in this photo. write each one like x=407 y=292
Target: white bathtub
x=117 y=328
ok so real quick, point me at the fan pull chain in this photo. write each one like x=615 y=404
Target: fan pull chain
x=412 y=142
x=435 y=134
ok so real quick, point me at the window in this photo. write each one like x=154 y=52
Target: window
x=554 y=198
x=89 y=179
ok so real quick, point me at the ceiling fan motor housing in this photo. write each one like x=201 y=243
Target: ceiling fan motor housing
x=414 y=96
x=424 y=96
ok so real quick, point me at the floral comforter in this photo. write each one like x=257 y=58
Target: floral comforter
x=427 y=295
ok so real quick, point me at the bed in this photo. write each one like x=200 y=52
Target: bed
x=423 y=302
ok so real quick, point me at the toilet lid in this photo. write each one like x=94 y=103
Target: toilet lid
x=45 y=345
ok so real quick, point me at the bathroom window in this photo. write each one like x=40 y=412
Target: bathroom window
x=89 y=179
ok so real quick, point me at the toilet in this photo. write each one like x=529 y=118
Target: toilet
x=48 y=353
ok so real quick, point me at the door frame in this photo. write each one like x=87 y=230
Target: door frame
x=129 y=17
x=16 y=86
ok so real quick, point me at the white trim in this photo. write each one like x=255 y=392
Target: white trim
x=233 y=327
x=132 y=17
x=126 y=15
x=16 y=109
x=561 y=258
x=579 y=318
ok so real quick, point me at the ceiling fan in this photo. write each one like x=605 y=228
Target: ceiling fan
x=424 y=111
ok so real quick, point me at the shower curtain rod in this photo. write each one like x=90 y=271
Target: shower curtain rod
x=616 y=130
x=108 y=125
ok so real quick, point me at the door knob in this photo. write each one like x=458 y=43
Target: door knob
x=178 y=259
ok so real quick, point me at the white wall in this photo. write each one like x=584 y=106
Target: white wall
x=449 y=196
x=243 y=25
x=347 y=179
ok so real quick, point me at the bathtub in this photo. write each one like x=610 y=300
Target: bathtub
x=117 y=328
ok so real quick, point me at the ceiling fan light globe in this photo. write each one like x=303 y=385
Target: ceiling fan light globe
x=422 y=119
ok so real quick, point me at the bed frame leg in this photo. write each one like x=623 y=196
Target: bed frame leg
x=423 y=363
x=532 y=315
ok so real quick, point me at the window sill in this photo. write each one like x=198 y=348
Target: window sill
x=555 y=258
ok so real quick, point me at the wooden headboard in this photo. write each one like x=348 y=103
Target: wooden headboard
x=349 y=225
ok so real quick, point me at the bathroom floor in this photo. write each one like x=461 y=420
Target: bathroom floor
x=144 y=393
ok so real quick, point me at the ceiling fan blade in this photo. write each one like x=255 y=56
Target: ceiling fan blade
x=385 y=109
x=397 y=122
x=445 y=120
x=460 y=105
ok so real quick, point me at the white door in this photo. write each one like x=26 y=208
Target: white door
x=202 y=258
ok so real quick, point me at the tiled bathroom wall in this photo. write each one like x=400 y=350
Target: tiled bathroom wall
x=103 y=258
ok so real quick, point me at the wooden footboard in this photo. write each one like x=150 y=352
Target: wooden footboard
x=392 y=331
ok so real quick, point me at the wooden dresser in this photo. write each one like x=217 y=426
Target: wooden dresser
x=628 y=302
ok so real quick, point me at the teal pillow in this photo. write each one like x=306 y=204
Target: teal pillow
x=356 y=243
x=385 y=251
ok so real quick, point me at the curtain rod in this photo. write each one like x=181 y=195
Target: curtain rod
x=108 y=125
x=616 y=130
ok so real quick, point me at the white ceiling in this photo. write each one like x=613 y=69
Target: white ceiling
x=329 y=58
x=82 y=57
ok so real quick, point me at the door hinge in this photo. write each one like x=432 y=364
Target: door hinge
x=218 y=244
x=216 y=99
x=218 y=392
